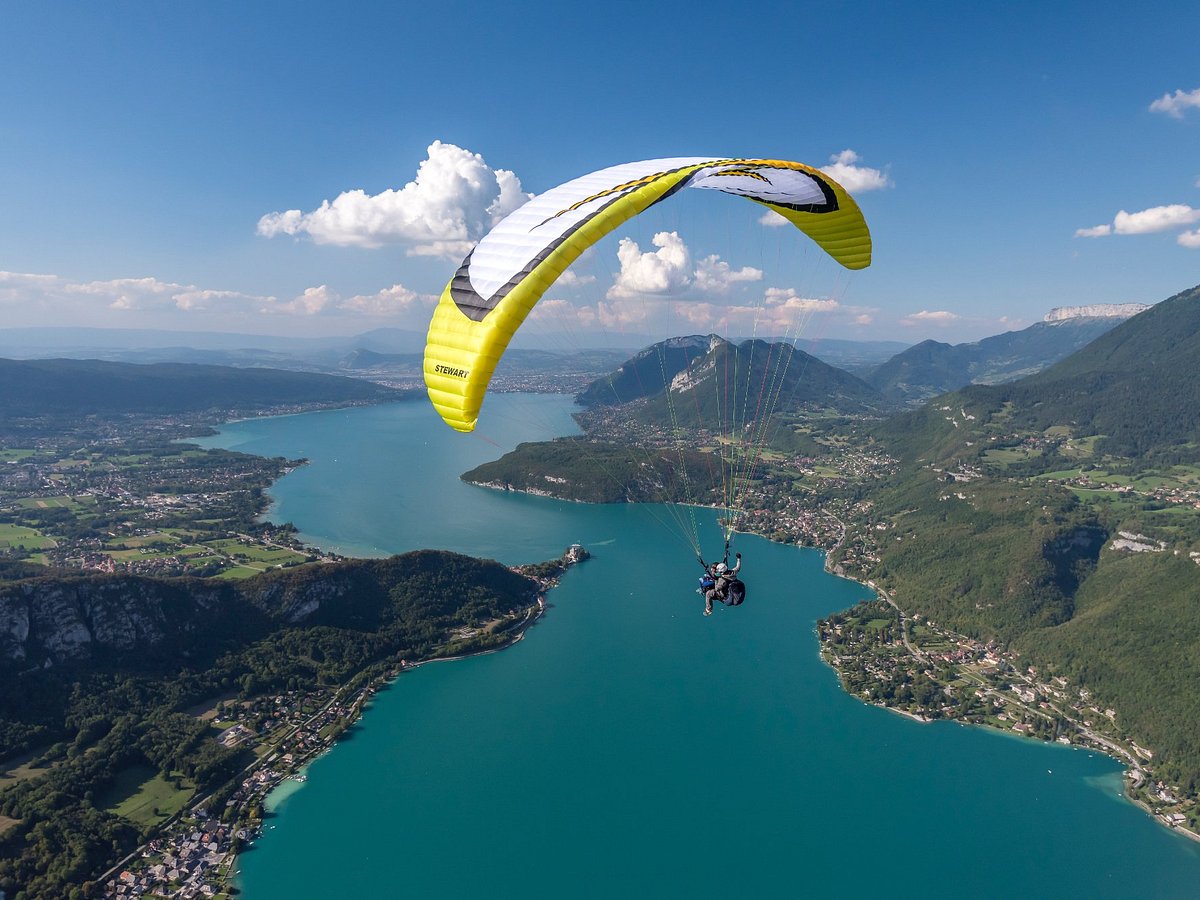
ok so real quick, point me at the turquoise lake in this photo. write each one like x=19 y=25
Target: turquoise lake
x=629 y=746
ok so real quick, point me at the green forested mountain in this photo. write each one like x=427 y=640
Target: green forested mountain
x=1007 y=517
x=38 y=387
x=99 y=672
x=647 y=373
x=733 y=384
x=1137 y=388
x=595 y=472
x=65 y=626
x=931 y=368
x=1138 y=385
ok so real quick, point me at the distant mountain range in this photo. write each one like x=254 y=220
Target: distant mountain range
x=395 y=349
x=86 y=387
x=208 y=347
x=931 y=368
x=1136 y=386
x=898 y=372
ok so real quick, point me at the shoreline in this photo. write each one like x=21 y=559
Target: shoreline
x=1130 y=766
x=1132 y=772
x=274 y=769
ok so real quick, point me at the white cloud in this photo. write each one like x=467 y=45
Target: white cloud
x=783 y=311
x=553 y=308
x=1176 y=104
x=570 y=278
x=670 y=271
x=453 y=200
x=1146 y=221
x=787 y=298
x=388 y=302
x=930 y=317
x=703 y=316
x=621 y=313
x=772 y=219
x=149 y=302
x=1190 y=239
x=855 y=178
x=311 y=302
x=667 y=270
x=1157 y=218
x=863 y=319
x=715 y=276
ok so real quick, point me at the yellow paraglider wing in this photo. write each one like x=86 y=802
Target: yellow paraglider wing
x=516 y=262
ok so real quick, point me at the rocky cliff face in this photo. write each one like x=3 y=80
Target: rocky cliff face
x=61 y=618
x=46 y=621
x=1096 y=311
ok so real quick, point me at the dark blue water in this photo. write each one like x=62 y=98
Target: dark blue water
x=630 y=746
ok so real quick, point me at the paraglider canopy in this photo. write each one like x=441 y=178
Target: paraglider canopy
x=510 y=269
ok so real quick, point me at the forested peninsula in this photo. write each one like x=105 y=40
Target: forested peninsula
x=105 y=673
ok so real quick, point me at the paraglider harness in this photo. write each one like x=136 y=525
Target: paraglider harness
x=735 y=590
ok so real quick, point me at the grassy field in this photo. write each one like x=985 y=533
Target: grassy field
x=239 y=572
x=19 y=536
x=264 y=557
x=72 y=503
x=143 y=796
x=15 y=454
x=19 y=769
x=1006 y=456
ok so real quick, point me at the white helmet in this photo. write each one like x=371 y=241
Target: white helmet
x=720 y=568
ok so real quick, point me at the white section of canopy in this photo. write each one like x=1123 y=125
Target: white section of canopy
x=524 y=233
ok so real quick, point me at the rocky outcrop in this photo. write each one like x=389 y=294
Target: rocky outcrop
x=50 y=620
x=1096 y=311
x=62 y=618
x=160 y=623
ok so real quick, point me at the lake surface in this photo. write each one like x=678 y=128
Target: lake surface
x=630 y=745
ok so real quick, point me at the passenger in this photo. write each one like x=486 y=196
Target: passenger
x=723 y=577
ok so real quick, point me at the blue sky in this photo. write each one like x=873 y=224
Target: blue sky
x=1008 y=159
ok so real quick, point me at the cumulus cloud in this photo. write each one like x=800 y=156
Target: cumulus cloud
x=1146 y=221
x=309 y=303
x=844 y=169
x=1174 y=105
x=670 y=270
x=552 y=308
x=715 y=276
x=1190 y=239
x=145 y=302
x=453 y=200
x=667 y=270
x=570 y=278
x=388 y=302
x=1157 y=218
x=621 y=314
x=788 y=299
x=930 y=317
